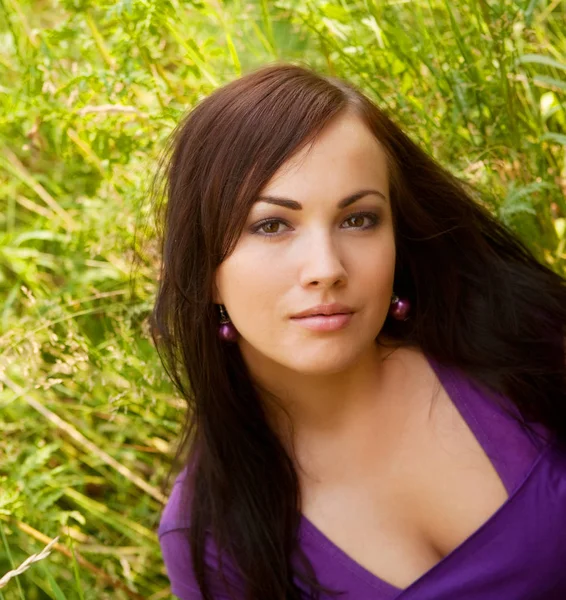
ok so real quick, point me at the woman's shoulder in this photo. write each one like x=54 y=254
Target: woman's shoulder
x=173 y=533
x=176 y=513
x=512 y=444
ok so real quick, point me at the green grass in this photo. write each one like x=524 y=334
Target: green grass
x=88 y=94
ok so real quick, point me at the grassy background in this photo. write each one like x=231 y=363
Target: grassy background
x=88 y=93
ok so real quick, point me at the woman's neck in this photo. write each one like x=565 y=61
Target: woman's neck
x=320 y=404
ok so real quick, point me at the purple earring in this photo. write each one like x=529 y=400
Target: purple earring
x=226 y=332
x=400 y=308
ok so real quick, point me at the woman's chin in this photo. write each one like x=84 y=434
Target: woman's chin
x=307 y=357
x=323 y=363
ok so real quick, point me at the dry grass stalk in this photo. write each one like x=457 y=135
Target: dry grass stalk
x=83 y=441
x=28 y=562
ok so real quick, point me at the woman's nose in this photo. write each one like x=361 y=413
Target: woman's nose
x=321 y=263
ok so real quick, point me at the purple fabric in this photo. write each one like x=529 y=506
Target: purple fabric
x=518 y=553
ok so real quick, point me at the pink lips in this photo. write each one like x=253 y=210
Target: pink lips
x=325 y=317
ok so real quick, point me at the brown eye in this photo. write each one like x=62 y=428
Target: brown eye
x=355 y=221
x=270 y=227
x=361 y=221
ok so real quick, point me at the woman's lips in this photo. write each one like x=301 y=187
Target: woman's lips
x=324 y=322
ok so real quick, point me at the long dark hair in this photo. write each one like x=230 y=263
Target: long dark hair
x=480 y=301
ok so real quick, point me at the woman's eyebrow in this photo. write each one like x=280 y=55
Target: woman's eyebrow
x=294 y=205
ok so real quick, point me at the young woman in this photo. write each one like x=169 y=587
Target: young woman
x=374 y=365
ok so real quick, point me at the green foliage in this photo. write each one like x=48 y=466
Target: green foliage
x=89 y=92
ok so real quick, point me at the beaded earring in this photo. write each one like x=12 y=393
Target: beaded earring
x=400 y=308
x=226 y=332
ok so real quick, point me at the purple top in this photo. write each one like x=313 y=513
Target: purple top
x=518 y=553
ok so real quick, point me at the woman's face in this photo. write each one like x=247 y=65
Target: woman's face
x=330 y=240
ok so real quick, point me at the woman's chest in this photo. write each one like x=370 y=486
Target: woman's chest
x=397 y=503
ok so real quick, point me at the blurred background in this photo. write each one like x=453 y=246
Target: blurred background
x=89 y=92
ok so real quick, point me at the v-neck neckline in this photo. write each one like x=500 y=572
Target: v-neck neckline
x=451 y=385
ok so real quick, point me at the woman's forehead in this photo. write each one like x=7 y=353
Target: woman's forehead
x=346 y=153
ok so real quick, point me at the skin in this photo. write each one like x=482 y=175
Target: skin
x=371 y=427
x=319 y=254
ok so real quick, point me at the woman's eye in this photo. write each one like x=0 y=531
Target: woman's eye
x=357 y=221
x=272 y=227
x=268 y=227
x=275 y=227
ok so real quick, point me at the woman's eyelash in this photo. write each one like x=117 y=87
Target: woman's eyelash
x=257 y=227
x=372 y=217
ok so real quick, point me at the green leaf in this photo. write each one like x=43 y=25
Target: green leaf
x=529 y=12
x=549 y=83
x=57 y=592
x=557 y=138
x=541 y=59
